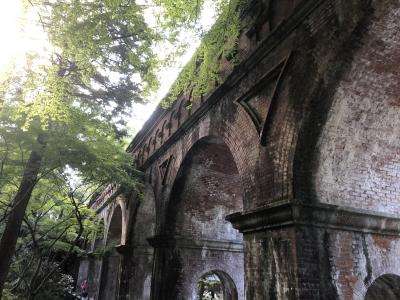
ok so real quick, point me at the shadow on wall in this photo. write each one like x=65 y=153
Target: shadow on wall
x=385 y=287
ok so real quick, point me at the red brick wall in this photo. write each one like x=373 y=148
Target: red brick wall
x=359 y=148
x=207 y=189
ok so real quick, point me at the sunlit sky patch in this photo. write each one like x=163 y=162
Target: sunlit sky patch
x=21 y=33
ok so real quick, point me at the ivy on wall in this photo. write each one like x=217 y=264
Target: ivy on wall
x=201 y=74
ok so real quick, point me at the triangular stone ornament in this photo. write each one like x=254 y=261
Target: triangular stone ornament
x=261 y=98
x=164 y=169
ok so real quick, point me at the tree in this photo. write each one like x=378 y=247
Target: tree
x=68 y=108
x=55 y=223
x=82 y=142
x=69 y=111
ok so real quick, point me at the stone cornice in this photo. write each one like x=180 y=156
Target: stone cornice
x=316 y=215
x=165 y=241
x=103 y=200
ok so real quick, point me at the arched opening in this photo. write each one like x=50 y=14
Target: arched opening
x=216 y=285
x=206 y=189
x=115 y=229
x=111 y=259
x=385 y=287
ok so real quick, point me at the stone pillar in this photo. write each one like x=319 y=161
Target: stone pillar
x=84 y=272
x=159 y=286
x=315 y=251
x=125 y=253
x=110 y=278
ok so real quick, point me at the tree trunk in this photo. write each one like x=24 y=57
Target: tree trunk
x=14 y=221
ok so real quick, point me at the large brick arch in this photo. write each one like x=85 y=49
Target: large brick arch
x=212 y=152
x=207 y=187
x=117 y=222
x=363 y=124
x=234 y=149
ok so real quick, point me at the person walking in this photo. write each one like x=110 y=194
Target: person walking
x=84 y=290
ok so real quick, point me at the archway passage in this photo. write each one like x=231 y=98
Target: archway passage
x=111 y=262
x=206 y=189
x=216 y=285
x=385 y=287
x=115 y=229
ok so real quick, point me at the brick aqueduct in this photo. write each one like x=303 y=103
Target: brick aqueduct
x=284 y=181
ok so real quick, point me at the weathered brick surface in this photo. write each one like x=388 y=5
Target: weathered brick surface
x=141 y=254
x=271 y=265
x=207 y=188
x=359 y=153
x=358 y=259
x=310 y=117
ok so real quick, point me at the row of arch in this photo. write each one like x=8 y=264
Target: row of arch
x=206 y=188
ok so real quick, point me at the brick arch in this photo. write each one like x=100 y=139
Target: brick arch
x=231 y=288
x=361 y=288
x=117 y=220
x=228 y=286
x=114 y=228
x=385 y=287
x=231 y=138
x=190 y=147
x=243 y=142
x=206 y=188
x=355 y=121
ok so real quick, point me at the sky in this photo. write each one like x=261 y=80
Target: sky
x=16 y=40
x=167 y=76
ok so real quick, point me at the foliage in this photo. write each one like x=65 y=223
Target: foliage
x=55 y=224
x=68 y=109
x=201 y=74
x=209 y=287
x=65 y=112
x=96 y=38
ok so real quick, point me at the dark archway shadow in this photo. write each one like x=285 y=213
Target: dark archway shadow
x=206 y=189
x=385 y=287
